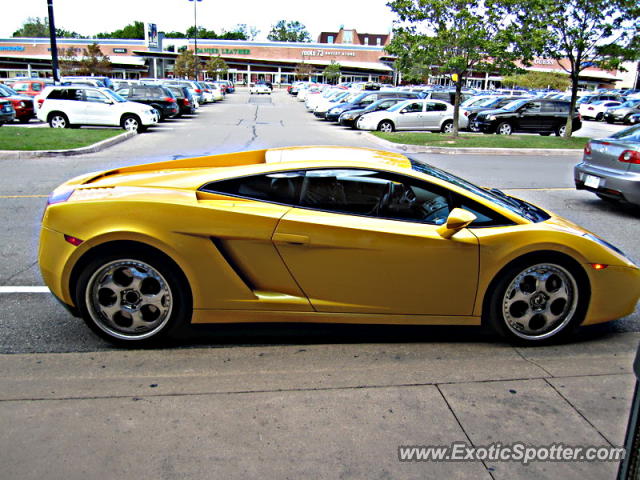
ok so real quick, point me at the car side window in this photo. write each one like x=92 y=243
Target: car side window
x=95 y=96
x=138 y=92
x=280 y=187
x=413 y=108
x=532 y=107
x=436 y=107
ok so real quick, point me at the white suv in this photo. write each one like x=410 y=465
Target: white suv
x=73 y=106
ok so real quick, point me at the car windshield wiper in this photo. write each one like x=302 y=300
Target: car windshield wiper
x=519 y=204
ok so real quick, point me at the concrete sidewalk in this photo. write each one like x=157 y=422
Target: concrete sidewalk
x=306 y=412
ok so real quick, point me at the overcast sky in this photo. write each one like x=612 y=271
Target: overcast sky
x=88 y=17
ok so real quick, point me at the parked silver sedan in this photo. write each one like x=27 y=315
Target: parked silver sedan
x=434 y=115
x=610 y=167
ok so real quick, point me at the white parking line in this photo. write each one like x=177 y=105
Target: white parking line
x=24 y=290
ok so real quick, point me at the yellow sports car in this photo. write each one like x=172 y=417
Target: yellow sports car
x=320 y=234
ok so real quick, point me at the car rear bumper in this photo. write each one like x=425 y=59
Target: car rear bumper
x=619 y=185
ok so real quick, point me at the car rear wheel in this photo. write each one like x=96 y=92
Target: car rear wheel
x=537 y=301
x=504 y=128
x=58 y=120
x=385 y=126
x=599 y=117
x=134 y=298
x=627 y=120
x=561 y=130
x=131 y=123
x=447 y=127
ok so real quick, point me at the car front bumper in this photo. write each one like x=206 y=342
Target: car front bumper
x=615 y=184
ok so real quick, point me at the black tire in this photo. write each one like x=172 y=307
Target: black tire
x=386 y=126
x=560 y=130
x=131 y=122
x=170 y=280
x=447 y=127
x=599 y=117
x=545 y=134
x=561 y=271
x=58 y=120
x=627 y=120
x=504 y=128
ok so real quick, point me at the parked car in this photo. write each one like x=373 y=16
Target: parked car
x=228 y=85
x=610 y=167
x=156 y=96
x=30 y=87
x=184 y=99
x=7 y=112
x=350 y=117
x=623 y=112
x=22 y=104
x=596 y=110
x=259 y=88
x=318 y=231
x=215 y=90
x=80 y=80
x=74 y=106
x=597 y=98
x=433 y=115
x=488 y=103
x=363 y=100
x=196 y=89
x=541 y=116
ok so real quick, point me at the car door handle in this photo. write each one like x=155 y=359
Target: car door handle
x=290 y=238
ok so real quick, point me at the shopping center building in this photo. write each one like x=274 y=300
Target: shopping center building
x=361 y=57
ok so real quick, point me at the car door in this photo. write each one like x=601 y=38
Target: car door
x=363 y=241
x=530 y=117
x=97 y=108
x=434 y=114
x=410 y=117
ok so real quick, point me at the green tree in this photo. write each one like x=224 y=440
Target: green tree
x=332 y=72
x=304 y=70
x=134 y=30
x=292 y=31
x=185 y=65
x=174 y=34
x=453 y=37
x=216 y=67
x=35 y=27
x=580 y=33
x=69 y=61
x=94 y=62
x=553 y=80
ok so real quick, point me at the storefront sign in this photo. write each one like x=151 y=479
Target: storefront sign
x=225 y=51
x=544 y=61
x=327 y=53
x=119 y=50
x=12 y=49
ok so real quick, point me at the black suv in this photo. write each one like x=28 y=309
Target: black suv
x=184 y=99
x=490 y=103
x=156 y=96
x=541 y=116
x=363 y=101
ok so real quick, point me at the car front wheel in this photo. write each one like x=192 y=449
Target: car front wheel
x=561 y=130
x=58 y=120
x=504 y=128
x=134 y=298
x=447 y=127
x=385 y=126
x=537 y=301
x=131 y=123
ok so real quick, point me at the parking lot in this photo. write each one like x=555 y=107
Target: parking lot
x=333 y=401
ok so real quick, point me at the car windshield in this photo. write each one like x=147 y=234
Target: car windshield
x=628 y=135
x=485 y=101
x=8 y=90
x=398 y=106
x=114 y=95
x=630 y=103
x=515 y=104
x=519 y=207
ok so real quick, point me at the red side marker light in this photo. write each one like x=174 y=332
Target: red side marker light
x=73 y=240
x=598 y=266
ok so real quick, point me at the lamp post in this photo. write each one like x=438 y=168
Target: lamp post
x=54 y=46
x=195 y=37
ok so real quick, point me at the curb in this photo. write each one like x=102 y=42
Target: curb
x=96 y=147
x=404 y=148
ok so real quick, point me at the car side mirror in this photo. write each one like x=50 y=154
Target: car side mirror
x=458 y=219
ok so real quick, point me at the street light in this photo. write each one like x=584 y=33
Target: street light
x=195 y=37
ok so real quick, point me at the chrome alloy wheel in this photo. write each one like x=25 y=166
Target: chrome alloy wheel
x=131 y=124
x=540 y=301
x=129 y=299
x=58 y=121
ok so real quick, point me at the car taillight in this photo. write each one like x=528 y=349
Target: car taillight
x=630 y=156
x=186 y=102
x=40 y=101
x=466 y=114
x=587 y=148
x=198 y=90
x=169 y=99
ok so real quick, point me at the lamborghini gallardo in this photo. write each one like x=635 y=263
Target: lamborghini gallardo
x=320 y=234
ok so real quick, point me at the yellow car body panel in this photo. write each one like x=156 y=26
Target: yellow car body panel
x=249 y=261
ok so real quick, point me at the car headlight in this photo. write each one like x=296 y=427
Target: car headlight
x=491 y=118
x=348 y=116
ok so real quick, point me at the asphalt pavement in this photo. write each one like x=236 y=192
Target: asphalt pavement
x=313 y=401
